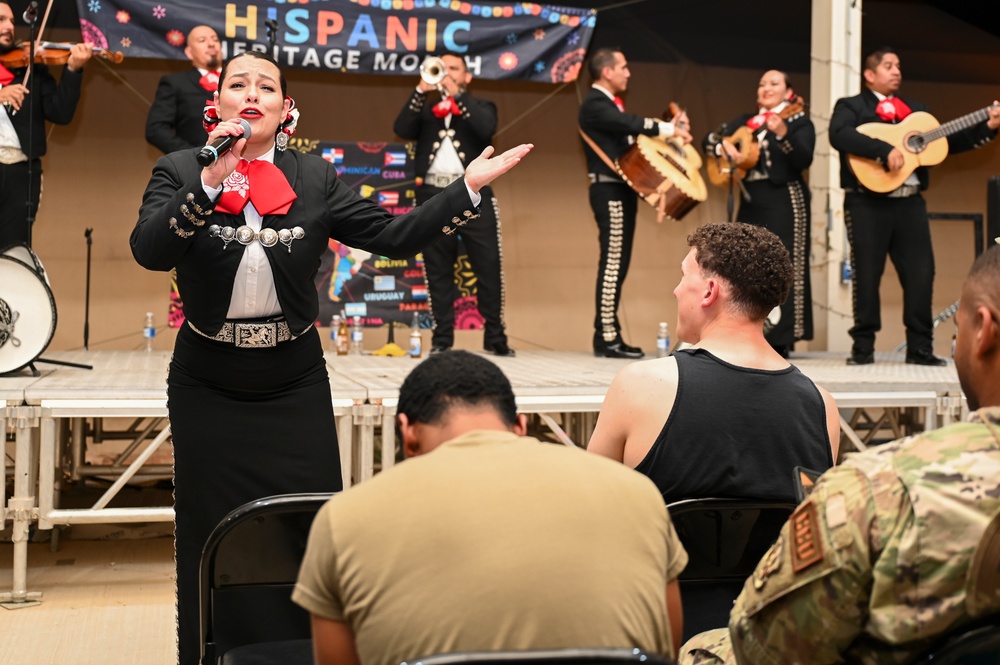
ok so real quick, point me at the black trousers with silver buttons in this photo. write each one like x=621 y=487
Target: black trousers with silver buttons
x=482 y=240
x=615 y=206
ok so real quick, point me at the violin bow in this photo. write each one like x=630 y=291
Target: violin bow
x=38 y=39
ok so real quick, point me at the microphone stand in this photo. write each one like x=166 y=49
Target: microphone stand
x=86 y=299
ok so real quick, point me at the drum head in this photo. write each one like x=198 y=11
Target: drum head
x=27 y=314
x=25 y=255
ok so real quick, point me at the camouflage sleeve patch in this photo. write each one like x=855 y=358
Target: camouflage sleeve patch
x=807 y=545
x=807 y=595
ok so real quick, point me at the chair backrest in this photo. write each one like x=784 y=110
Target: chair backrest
x=248 y=568
x=547 y=657
x=724 y=539
x=972 y=644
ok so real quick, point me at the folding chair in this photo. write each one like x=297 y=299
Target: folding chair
x=724 y=539
x=248 y=568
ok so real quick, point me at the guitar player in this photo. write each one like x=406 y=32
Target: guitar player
x=893 y=224
x=604 y=122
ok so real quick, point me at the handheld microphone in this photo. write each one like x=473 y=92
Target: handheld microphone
x=30 y=14
x=210 y=153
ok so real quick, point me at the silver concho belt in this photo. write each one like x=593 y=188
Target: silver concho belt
x=250 y=334
x=246 y=235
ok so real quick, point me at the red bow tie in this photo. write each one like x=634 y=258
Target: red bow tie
x=892 y=109
x=620 y=103
x=210 y=81
x=258 y=181
x=6 y=76
x=446 y=106
x=758 y=120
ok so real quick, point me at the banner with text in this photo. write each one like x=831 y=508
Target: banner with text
x=499 y=40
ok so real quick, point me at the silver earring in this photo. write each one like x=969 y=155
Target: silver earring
x=281 y=141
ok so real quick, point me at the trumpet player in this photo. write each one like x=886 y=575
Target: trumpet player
x=451 y=128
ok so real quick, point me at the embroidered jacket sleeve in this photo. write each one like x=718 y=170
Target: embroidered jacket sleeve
x=408 y=121
x=797 y=145
x=360 y=222
x=598 y=113
x=480 y=114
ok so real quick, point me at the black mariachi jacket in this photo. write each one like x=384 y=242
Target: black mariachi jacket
x=325 y=208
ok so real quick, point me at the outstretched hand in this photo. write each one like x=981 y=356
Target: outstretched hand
x=483 y=169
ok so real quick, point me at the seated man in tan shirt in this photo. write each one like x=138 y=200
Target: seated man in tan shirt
x=493 y=542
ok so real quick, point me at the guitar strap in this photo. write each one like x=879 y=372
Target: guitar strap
x=655 y=199
x=597 y=149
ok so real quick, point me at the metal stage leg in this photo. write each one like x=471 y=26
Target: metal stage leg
x=21 y=508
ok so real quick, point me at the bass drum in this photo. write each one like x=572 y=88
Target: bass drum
x=27 y=309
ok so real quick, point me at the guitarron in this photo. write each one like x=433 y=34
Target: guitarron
x=664 y=173
x=917 y=137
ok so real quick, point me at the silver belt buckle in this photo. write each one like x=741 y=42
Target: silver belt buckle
x=255 y=335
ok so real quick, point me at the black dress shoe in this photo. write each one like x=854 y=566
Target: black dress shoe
x=632 y=349
x=440 y=348
x=499 y=349
x=861 y=358
x=924 y=357
x=618 y=351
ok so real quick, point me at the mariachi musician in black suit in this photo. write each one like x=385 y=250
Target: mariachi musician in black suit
x=449 y=134
x=174 y=121
x=777 y=196
x=893 y=224
x=48 y=101
x=248 y=391
x=604 y=121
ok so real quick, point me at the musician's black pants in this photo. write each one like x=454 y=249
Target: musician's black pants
x=878 y=227
x=481 y=238
x=14 y=201
x=614 y=207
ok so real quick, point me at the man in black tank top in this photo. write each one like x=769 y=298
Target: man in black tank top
x=728 y=417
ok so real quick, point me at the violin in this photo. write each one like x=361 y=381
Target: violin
x=51 y=53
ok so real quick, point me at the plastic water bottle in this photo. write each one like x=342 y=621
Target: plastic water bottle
x=334 y=327
x=149 y=331
x=357 y=336
x=663 y=340
x=416 y=341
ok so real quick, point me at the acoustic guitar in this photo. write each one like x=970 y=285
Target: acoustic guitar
x=744 y=140
x=917 y=138
x=664 y=173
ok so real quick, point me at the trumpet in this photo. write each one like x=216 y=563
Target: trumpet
x=433 y=71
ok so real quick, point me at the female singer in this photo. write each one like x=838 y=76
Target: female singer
x=778 y=198
x=248 y=391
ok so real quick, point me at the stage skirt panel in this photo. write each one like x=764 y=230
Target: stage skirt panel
x=246 y=423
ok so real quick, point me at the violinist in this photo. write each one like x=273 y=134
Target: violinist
x=777 y=197
x=27 y=105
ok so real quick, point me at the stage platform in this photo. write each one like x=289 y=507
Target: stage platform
x=58 y=415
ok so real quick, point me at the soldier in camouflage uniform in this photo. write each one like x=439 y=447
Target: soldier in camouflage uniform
x=896 y=547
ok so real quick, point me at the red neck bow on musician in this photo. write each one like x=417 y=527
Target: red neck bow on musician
x=620 y=103
x=892 y=109
x=258 y=181
x=6 y=76
x=210 y=81
x=757 y=121
x=445 y=107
